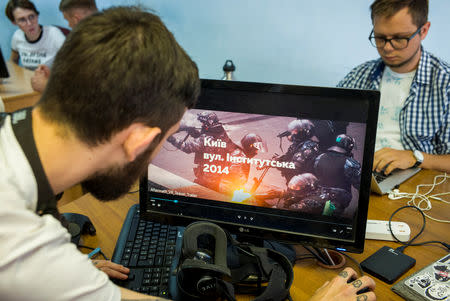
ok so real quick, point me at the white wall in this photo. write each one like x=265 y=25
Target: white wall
x=288 y=41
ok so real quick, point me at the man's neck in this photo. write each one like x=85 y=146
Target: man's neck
x=66 y=160
x=409 y=66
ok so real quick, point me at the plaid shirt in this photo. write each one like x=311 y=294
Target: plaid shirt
x=424 y=118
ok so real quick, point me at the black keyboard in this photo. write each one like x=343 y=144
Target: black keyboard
x=151 y=251
x=379 y=176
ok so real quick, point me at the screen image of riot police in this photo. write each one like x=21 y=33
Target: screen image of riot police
x=271 y=164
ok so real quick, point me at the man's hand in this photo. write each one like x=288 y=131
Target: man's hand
x=345 y=287
x=40 y=78
x=113 y=270
x=388 y=159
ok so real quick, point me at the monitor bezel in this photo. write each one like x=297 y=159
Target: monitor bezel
x=356 y=246
x=3 y=68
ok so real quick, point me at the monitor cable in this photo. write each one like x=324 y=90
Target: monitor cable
x=411 y=241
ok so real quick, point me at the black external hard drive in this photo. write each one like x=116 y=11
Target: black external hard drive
x=387 y=264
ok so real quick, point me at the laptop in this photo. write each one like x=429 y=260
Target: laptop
x=382 y=184
x=3 y=69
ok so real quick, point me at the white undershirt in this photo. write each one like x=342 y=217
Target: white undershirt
x=394 y=89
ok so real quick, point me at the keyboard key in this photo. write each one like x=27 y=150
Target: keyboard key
x=134 y=259
x=158 y=261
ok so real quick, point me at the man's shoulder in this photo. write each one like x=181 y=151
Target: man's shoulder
x=368 y=66
x=439 y=64
x=361 y=76
x=18 y=35
x=54 y=31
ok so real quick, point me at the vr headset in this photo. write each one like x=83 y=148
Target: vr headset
x=213 y=265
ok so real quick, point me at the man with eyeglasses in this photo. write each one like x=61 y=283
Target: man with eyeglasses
x=413 y=121
x=32 y=44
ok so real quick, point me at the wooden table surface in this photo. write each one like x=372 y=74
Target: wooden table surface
x=108 y=217
x=16 y=91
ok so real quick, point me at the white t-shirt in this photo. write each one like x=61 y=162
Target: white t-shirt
x=37 y=259
x=394 y=89
x=40 y=52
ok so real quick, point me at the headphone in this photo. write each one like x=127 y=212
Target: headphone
x=203 y=273
x=396 y=194
x=77 y=224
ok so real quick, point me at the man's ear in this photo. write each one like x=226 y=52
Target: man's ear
x=138 y=139
x=424 y=31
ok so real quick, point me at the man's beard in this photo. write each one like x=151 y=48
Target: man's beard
x=116 y=181
x=401 y=64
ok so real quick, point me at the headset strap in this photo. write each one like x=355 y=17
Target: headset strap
x=23 y=130
x=271 y=265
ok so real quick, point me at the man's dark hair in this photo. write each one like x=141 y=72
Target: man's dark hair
x=118 y=67
x=13 y=4
x=387 y=8
x=66 y=5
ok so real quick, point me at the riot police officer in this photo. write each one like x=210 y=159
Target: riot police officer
x=250 y=145
x=303 y=194
x=303 y=150
x=212 y=139
x=337 y=171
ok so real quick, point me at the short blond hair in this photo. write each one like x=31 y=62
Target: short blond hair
x=66 y=5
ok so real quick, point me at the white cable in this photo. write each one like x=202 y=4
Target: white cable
x=424 y=199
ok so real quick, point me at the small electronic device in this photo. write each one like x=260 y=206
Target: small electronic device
x=387 y=264
x=379 y=230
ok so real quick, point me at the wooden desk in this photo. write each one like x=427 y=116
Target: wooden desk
x=108 y=217
x=16 y=90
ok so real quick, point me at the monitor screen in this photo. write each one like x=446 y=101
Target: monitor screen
x=3 y=69
x=277 y=162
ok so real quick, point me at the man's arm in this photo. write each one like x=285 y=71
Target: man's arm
x=436 y=162
x=390 y=159
x=14 y=57
x=40 y=78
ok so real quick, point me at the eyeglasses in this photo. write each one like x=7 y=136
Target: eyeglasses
x=396 y=43
x=24 y=20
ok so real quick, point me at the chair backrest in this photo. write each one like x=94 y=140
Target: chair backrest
x=64 y=30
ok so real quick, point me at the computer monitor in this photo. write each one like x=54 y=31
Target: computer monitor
x=3 y=69
x=246 y=158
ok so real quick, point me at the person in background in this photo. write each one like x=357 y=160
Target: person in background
x=413 y=121
x=102 y=131
x=76 y=10
x=73 y=11
x=32 y=44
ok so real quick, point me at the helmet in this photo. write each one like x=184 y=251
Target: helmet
x=252 y=144
x=344 y=144
x=303 y=184
x=300 y=129
x=208 y=118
